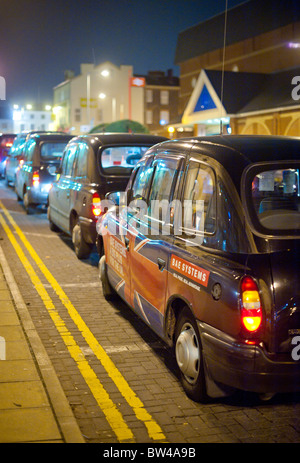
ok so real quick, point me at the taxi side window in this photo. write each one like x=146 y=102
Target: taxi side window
x=231 y=236
x=199 y=200
x=160 y=203
x=30 y=150
x=68 y=160
x=81 y=163
x=141 y=183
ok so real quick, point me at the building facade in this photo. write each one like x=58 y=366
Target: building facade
x=257 y=93
x=98 y=95
x=32 y=117
x=161 y=99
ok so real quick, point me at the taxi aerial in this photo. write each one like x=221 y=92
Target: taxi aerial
x=204 y=246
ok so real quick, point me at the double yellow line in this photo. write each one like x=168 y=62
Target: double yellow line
x=110 y=410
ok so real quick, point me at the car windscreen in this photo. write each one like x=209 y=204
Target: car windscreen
x=52 y=151
x=274 y=199
x=120 y=160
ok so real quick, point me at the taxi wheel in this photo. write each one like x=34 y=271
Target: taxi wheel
x=81 y=247
x=107 y=289
x=52 y=225
x=28 y=206
x=189 y=357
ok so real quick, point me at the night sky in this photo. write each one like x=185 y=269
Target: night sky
x=40 y=39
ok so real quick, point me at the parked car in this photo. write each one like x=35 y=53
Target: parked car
x=92 y=166
x=42 y=155
x=6 y=141
x=204 y=247
x=14 y=158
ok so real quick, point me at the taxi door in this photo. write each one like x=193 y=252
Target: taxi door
x=61 y=190
x=149 y=240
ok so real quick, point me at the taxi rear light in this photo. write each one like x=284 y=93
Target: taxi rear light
x=35 y=179
x=96 y=205
x=251 y=310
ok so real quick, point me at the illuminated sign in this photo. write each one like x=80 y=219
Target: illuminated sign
x=2 y=349
x=137 y=81
x=93 y=102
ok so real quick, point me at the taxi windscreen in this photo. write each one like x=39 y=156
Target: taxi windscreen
x=275 y=196
x=120 y=160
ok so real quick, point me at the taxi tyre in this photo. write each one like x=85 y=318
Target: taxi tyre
x=52 y=225
x=27 y=204
x=107 y=290
x=81 y=247
x=189 y=357
x=18 y=196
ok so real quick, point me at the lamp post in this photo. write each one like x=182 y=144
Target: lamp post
x=88 y=97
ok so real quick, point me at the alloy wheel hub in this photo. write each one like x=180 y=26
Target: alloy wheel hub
x=187 y=353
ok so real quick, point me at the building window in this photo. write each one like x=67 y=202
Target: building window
x=164 y=97
x=164 y=117
x=149 y=96
x=77 y=114
x=149 y=117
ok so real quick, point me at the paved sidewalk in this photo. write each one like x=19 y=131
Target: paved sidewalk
x=33 y=406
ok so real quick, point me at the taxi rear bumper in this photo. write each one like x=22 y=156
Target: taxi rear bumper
x=245 y=366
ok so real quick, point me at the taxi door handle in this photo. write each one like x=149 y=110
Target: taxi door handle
x=161 y=264
x=126 y=243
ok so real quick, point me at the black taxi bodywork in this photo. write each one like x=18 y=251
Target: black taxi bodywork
x=92 y=165
x=204 y=247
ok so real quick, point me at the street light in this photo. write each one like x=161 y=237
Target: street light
x=105 y=73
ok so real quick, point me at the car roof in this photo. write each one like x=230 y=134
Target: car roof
x=7 y=135
x=235 y=152
x=101 y=139
x=45 y=136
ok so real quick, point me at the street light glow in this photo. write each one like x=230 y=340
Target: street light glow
x=105 y=73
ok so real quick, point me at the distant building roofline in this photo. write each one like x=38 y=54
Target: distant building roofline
x=249 y=19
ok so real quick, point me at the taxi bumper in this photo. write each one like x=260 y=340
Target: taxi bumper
x=245 y=366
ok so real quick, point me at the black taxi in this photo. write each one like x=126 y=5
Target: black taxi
x=204 y=247
x=92 y=165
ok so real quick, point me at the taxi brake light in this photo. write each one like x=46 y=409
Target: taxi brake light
x=251 y=310
x=96 y=205
x=35 y=179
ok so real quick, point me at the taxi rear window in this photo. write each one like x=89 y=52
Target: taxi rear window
x=274 y=199
x=52 y=151
x=120 y=160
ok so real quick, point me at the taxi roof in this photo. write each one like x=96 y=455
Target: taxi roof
x=235 y=152
x=101 y=139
